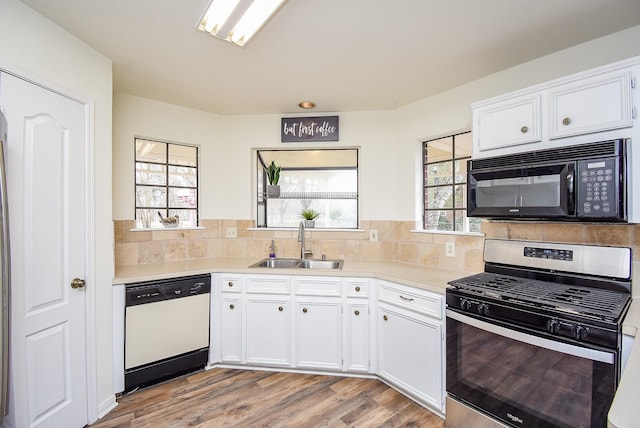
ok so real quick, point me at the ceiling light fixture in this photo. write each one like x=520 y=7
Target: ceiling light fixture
x=307 y=104
x=237 y=20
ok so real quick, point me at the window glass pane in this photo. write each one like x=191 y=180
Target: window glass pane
x=439 y=197
x=334 y=213
x=183 y=176
x=439 y=173
x=151 y=151
x=148 y=196
x=439 y=150
x=188 y=218
x=148 y=173
x=183 y=155
x=461 y=196
x=461 y=171
x=318 y=181
x=464 y=145
x=440 y=220
x=182 y=198
x=147 y=218
x=474 y=224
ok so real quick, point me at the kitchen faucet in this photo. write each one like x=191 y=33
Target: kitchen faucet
x=303 y=251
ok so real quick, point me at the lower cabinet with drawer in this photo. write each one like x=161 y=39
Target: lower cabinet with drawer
x=410 y=342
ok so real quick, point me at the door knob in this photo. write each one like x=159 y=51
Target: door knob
x=78 y=283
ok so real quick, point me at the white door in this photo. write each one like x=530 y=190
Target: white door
x=46 y=175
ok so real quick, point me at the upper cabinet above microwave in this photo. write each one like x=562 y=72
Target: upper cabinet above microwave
x=560 y=112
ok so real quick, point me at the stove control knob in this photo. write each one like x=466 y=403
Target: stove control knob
x=552 y=326
x=483 y=309
x=465 y=305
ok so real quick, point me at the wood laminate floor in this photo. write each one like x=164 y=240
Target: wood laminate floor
x=247 y=398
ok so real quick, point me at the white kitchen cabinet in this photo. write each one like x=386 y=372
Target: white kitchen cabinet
x=318 y=322
x=231 y=323
x=508 y=123
x=359 y=340
x=357 y=330
x=594 y=105
x=267 y=338
x=411 y=342
x=590 y=104
x=318 y=338
x=268 y=330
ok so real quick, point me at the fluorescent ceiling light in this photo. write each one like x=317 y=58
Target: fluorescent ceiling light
x=237 y=20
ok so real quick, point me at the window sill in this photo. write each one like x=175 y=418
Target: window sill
x=447 y=232
x=295 y=229
x=168 y=229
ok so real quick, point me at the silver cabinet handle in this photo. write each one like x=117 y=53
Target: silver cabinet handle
x=231 y=306
x=357 y=312
x=566 y=121
x=408 y=299
x=304 y=310
x=524 y=129
x=78 y=283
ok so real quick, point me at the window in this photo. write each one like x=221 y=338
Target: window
x=324 y=180
x=166 y=183
x=445 y=185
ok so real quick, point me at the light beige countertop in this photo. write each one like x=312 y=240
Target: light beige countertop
x=625 y=409
x=404 y=273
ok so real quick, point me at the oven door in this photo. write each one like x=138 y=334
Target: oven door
x=523 y=380
x=522 y=192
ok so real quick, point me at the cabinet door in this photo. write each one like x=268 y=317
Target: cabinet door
x=319 y=334
x=268 y=330
x=231 y=341
x=410 y=354
x=590 y=105
x=356 y=343
x=507 y=123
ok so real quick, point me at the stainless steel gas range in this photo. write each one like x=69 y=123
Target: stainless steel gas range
x=535 y=340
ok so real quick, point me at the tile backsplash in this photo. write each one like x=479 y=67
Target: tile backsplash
x=395 y=242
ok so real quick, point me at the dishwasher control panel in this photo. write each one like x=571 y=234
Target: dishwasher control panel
x=154 y=291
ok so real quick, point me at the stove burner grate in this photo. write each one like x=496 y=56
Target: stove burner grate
x=586 y=301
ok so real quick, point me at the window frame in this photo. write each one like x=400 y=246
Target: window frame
x=454 y=209
x=167 y=186
x=261 y=184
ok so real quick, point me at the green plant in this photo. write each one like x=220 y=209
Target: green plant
x=309 y=214
x=273 y=173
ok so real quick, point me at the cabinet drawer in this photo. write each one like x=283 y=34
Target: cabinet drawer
x=318 y=286
x=411 y=298
x=231 y=283
x=356 y=288
x=268 y=284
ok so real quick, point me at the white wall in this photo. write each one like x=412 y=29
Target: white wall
x=226 y=143
x=389 y=140
x=33 y=46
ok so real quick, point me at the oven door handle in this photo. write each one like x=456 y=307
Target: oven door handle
x=565 y=348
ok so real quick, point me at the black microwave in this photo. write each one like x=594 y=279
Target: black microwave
x=585 y=182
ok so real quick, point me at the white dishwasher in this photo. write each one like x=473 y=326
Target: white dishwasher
x=166 y=329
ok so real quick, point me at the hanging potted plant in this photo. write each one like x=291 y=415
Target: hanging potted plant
x=273 y=175
x=309 y=215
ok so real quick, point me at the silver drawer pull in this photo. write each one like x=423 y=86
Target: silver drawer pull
x=408 y=299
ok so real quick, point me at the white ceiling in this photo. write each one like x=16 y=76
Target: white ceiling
x=345 y=55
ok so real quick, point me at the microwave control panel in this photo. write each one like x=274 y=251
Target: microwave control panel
x=597 y=189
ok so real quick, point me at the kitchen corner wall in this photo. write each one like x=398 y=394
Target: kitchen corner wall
x=395 y=242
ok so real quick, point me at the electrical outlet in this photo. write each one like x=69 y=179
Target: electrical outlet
x=450 y=249
x=232 y=232
x=373 y=235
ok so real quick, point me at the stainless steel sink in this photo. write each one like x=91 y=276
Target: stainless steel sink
x=298 y=264
x=320 y=264
x=277 y=263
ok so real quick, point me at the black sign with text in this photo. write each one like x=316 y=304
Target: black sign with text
x=322 y=128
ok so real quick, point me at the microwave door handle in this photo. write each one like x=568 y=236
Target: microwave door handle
x=521 y=200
